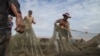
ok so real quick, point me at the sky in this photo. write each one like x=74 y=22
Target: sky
x=85 y=14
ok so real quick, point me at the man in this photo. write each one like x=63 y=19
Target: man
x=28 y=20
x=29 y=33
x=63 y=26
x=62 y=30
x=7 y=7
x=10 y=23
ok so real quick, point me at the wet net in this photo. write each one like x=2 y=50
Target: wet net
x=62 y=41
x=25 y=44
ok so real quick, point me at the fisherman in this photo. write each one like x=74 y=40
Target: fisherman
x=10 y=23
x=28 y=20
x=9 y=7
x=64 y=26
x=30 y=36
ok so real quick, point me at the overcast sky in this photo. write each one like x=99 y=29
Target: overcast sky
x=85 y=14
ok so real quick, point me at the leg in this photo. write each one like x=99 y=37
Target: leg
x=4 y=40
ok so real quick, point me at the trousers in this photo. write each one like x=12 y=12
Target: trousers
x=5 y=36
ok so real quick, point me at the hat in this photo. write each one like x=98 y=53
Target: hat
x=67 y=14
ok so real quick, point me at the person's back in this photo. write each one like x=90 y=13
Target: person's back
x=8 y=7
x=3 y=13
x=3 y=24
x=3 y=5
x=5 y=10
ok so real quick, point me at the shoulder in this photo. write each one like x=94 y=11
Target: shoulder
x=16 y=4
x=59 y=19
x=32 y=17
x=26 y=17
x=14 y=1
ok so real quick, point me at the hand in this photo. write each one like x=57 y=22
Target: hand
x=20 y=27
x=62 y=27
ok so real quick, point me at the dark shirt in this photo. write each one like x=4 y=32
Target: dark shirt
x=5 y=10
x=16 y=3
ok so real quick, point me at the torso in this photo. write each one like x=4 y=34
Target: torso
x=28 y=22
x=30 y=19
x=64 y=23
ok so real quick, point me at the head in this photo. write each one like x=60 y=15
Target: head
x=30 y=12
x=10 y=18
x=66 y=16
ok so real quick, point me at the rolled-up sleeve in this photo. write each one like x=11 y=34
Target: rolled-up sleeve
x=16 y=3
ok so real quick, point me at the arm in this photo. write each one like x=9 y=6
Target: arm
x=14 y=9
x=60 y=24
x=57 y=23
x=19 y=22
x=33 y=21
x=24 y=18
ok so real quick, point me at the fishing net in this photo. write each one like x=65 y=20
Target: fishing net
x=25 y=43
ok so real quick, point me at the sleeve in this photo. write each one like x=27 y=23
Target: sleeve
x=16 y=3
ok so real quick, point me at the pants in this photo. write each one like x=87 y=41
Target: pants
x=4 y=41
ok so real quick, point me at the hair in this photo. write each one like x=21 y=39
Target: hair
x=30 y=11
